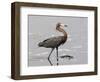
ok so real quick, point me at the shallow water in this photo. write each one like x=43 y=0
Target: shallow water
x=44 y=27
x=42 y=59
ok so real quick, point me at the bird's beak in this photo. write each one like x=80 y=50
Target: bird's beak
x=65 y=25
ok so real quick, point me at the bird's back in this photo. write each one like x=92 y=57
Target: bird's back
x=52 y=42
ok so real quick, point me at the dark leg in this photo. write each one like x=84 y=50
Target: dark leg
x=57 y=56
x=49 y=56
x=50 y=62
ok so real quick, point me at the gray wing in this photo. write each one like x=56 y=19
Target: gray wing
x=51 y=42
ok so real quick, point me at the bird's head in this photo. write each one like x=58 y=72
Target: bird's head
x=60 y=25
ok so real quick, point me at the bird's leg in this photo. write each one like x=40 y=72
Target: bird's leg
x=50 y=53
x=50 y=62
x=57 y=56
x=49 y=56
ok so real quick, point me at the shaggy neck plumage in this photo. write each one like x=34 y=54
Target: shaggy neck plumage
x=63 y=31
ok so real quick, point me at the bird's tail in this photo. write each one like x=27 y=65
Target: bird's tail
x=40 y=44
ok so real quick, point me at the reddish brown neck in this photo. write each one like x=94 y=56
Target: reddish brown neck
x=63 y=31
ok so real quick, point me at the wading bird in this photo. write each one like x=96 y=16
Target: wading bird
x=55 y=42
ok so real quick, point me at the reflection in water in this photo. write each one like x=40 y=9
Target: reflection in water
x=63 y=57
x=67 y=56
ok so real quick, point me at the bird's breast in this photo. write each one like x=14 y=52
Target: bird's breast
x=64 y=39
